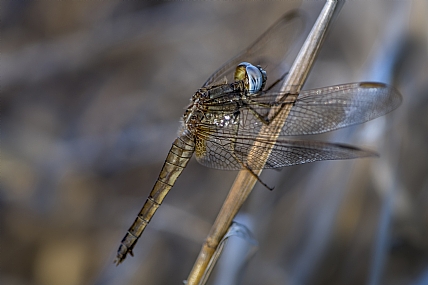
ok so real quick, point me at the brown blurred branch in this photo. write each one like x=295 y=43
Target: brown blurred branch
x=245 y=180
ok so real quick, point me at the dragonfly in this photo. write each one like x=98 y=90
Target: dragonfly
x=225 y=124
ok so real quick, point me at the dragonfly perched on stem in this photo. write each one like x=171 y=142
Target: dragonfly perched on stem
x=227 y=123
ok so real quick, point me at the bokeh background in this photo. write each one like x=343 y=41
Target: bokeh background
x=91 y=96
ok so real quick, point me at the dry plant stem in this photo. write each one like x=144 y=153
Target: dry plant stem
x=245 y=181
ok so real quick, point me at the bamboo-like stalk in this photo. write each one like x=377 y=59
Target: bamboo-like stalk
x=245 y=180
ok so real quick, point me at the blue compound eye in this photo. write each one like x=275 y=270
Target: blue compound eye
x=253 y=76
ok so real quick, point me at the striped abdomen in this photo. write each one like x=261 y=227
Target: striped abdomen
x=177 y=159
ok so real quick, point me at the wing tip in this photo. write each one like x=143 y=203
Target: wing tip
x=395 y=97
x=372 y=85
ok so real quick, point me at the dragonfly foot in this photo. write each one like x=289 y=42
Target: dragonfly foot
x=265 y=185
x=258 y=178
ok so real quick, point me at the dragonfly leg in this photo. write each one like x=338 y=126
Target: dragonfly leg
x=234 y=152
x=266 y=119
x=263 y=119
x=247 y=167
x=257 y=177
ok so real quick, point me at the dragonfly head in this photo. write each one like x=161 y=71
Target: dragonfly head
x=254 y=77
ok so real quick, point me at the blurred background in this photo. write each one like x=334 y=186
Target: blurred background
x=91 y=97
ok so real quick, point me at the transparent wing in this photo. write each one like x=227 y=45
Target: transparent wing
x=226 y=145
x=319 y=110
x=271 y=50
x=330 y=108
x=233 y=155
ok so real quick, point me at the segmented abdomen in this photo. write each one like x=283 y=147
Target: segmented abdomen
x=177 y=159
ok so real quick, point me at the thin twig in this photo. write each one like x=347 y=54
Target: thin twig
x=245 y=180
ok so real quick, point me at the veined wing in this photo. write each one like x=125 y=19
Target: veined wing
x=225 y=144
x=271 y=50
x=313 y=112
x=234 y=155
x=334 y=107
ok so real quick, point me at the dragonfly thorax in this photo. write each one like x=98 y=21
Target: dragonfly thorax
x=217 y=106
